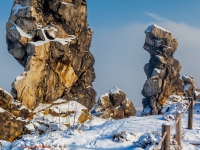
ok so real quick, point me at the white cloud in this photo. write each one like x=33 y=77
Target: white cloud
x=155 y=16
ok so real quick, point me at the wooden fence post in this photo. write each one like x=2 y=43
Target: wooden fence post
x=190 y=113
x=178 y=128
x=166 y=142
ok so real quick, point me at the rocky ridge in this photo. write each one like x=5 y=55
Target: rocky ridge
x=51 y=40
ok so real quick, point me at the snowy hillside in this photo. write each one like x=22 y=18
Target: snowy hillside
x=98 y=134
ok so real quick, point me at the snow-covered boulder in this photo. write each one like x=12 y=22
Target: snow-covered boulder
x=170 y=114
x=175 y=103
x=124 y=136
x=114 y=104
x=150 y=141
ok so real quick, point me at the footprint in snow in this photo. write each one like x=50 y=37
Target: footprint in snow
x=91 y=144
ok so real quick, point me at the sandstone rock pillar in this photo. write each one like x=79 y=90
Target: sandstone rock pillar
x=162 y=71
x=51 y=40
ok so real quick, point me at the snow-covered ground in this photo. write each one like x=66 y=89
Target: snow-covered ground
x=98 y=134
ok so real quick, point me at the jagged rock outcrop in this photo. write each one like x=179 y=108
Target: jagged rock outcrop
x=114 y=104
x=13 y=117
x=51 y=40
x=162 y=70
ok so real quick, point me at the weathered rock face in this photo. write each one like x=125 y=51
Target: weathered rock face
x=162 y=70
x=114 y=104
x=51 y=40
x=13 y=117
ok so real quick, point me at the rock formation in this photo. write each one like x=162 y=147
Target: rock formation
x=51 y=40
x=114 y=104
x=162 y=70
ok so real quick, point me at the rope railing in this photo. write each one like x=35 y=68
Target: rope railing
x=163 y=138
x=186 y=108
x=177 y=120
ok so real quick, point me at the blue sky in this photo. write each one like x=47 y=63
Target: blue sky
x=118 y=40
x=115 y=13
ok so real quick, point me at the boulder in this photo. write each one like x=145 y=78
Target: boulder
x=117 y=96
x=51 y=40
x=114 y=104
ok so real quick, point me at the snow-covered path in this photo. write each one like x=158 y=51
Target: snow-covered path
x=97 y=134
